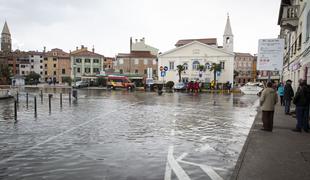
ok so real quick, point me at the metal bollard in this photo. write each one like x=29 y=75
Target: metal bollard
x=15 y=109
x=27 y=100
x=35 y=106
x=60 y=99
x=41 y=95
x=49 y=102
x=17 y=98
x=70 y=97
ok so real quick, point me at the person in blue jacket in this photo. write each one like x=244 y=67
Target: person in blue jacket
x=281 y=93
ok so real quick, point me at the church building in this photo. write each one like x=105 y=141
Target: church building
x=194 y=54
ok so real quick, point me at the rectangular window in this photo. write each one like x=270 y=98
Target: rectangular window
x=45 y=59
x=41 y=72
x=78 y=60
x=222 y=65
x=145 y=61
x=22 y=66
x=96 y=70
x=87 y=60
x=31 y=66
x=171 y=65
x=41 y=61
x=87 y=70
x=154 y=72
x=145 y=71
x=31 y=60
x=55 y=73
x=45 y=72
x=136 y=71
x=23 y=72
x=96 y=60
x=45 y=65
x=54 y=65
x=54 y=59
x=121 y=71
x=78 y=70
x=41 y=67
x=136 y=61
x=63 y=71
x=121 y=61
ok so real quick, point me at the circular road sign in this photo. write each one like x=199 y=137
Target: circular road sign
x=166 y=68
x=161 y=68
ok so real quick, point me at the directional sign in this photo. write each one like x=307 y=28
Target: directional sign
x=166 y=68
x=218 y=73
x=161 y=68
x=163 y=73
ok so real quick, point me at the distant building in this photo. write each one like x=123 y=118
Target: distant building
x=85 y=64
x=108 y=64
x=140 y=58
x=243 y=65
x=192 y=53
x=141 y=46
x=136 y=63
x=57 y=65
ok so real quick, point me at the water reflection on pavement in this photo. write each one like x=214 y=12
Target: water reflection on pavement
x=124 y=135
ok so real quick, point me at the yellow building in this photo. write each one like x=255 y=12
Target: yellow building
x=57 y=65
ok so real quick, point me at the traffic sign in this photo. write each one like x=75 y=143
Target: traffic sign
x=166 y=68
x=163 y=73
x=161 y=68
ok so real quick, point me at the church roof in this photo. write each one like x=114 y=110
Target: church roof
x=5 y=29
x=208 y=41
x=228 y=31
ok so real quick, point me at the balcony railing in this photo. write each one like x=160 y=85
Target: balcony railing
x=290 y=17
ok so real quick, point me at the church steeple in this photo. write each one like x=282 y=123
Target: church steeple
x=228 y=37
x=6 y=44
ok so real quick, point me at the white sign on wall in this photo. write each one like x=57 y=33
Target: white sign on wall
x=270 y=54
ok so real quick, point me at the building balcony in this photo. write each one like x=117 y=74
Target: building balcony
x=289 y=18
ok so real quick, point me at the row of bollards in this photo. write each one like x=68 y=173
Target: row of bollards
x=35 y=102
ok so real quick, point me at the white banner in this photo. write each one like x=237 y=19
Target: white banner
x=270 y=54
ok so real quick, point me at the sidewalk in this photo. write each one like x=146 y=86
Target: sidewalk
x=281 y=154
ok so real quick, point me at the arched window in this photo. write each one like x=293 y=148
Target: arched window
x=227 y=40
x=196 y=65
x=185 y=66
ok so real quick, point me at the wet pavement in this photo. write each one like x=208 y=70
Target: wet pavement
x=124 y=135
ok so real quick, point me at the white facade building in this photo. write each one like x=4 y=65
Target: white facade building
x=191 y=53
x=191 y=56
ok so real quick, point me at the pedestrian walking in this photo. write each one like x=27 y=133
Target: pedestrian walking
x=281 y=93
x=268 y=100
x=288 y=96
x=301 y=100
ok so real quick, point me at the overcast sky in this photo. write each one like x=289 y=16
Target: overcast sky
x=108 y=24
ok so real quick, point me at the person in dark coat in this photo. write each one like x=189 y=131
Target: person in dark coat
x=268 y=100
x=301 y=100
x=288 y=96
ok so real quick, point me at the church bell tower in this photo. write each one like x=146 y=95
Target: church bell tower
x=6 y=42
x=228 y=37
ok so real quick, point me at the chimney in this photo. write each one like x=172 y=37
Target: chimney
x=44 y=49
x=93 y=49
x=77 y=48
x=142 y=40
x=82 y=46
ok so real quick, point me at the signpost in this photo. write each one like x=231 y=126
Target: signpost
x=270 y=55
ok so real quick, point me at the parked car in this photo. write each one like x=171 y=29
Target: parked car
x=180 y=86
x=81 y=84
x=119 y=82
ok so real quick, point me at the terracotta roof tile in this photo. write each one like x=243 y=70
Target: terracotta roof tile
x=208 y=41
x=243 y=54
x=85 y=52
